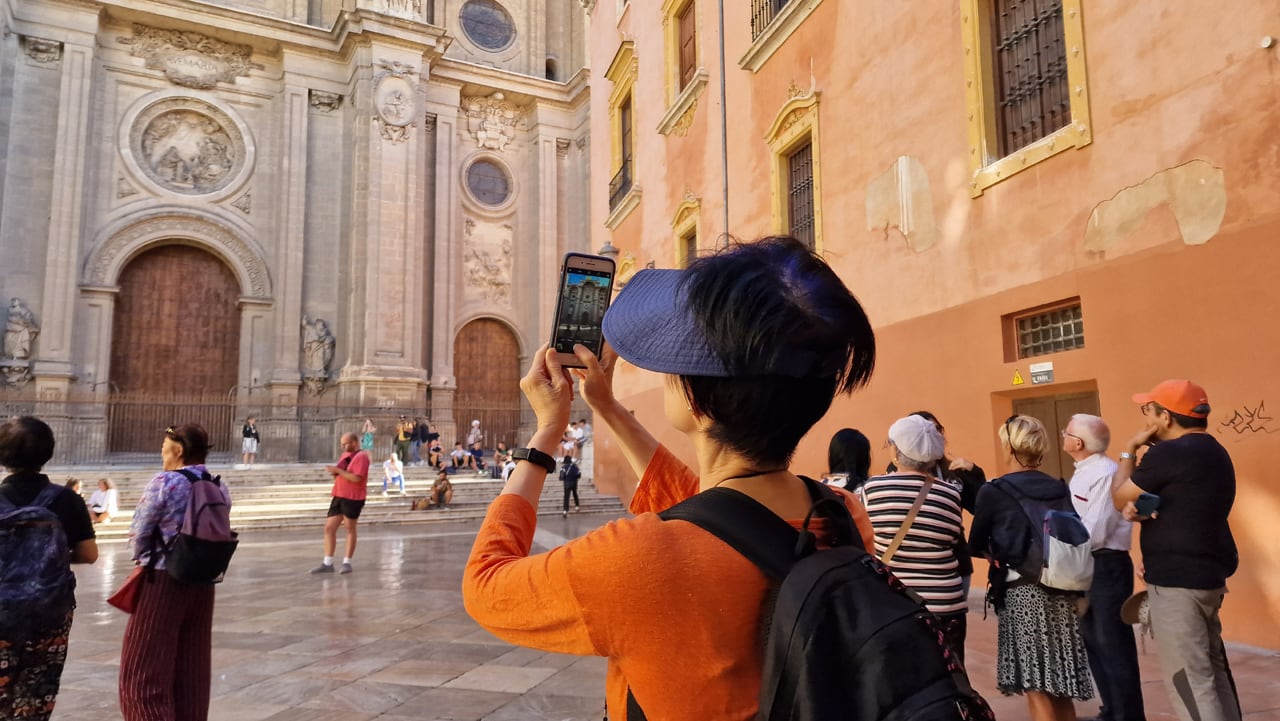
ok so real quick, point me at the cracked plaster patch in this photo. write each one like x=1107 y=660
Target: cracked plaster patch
x=900 y=198
x=1195 y=192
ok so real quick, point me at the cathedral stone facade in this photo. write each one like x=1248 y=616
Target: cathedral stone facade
x=342 y=204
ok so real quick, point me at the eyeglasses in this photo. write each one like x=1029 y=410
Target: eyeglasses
x=1072 y=435
x=1151 y=408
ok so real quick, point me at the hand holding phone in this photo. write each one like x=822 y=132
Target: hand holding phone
x=584 y=292
x=1147 y=504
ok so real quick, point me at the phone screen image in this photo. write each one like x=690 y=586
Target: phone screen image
x=584 y=297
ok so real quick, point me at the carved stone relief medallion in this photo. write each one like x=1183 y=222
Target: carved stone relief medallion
x=394 y=99
x=187 y=146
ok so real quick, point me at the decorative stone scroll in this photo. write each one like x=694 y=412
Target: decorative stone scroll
x=487 y=260
x=42 y=51
x=324 y=102
x=492 y=120
x=395 y=99
x=562 y=147
x=188 y=58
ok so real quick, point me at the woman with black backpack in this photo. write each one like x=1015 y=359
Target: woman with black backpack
x=1039 y=650
x=44 y=527
x=168 y=643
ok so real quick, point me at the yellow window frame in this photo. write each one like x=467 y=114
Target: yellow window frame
x=795 y=123
x=622 y=73
x=986 y=168
x=684 y=222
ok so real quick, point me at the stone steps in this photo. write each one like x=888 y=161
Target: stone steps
x=297 y=496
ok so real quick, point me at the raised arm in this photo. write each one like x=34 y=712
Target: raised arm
x=637 y=444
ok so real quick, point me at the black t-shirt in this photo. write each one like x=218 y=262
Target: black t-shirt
x=1189 y=544
x=22 y=488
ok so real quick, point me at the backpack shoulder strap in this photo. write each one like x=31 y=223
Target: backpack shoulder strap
x=901 y=535
x=46 y=495
x=746 y=525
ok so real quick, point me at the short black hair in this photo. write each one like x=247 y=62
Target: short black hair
x=26 y=444
x=756 y=303
x=849 y=452
x=1187 y=422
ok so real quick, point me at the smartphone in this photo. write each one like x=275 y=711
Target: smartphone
x=584 y=292
x=1147 y=504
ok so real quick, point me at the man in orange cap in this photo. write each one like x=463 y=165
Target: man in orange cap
x=1187 y=547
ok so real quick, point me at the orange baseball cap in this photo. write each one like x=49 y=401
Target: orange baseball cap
x=1179 y=396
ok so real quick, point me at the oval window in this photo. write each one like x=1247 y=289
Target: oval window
x=487 y=24
x=488 y=182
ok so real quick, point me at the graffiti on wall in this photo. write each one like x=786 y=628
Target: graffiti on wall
x=1246 y=420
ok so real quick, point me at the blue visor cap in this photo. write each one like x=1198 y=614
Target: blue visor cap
x=650 y=326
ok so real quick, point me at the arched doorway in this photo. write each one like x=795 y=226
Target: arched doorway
x=175 y=348
x=486 y=362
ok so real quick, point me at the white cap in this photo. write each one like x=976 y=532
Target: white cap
x=917 y=439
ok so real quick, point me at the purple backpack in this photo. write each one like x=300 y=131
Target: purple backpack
x=37 y=587
x=202 y=550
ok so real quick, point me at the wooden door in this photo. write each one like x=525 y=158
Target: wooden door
x=175 y=347
x=486 y=362
x=1055 y=412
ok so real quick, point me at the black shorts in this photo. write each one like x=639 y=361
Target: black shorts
x=345 y=507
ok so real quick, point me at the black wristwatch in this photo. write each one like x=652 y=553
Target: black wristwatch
x=533 y=455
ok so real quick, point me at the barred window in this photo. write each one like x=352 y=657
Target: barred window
x=1050 y=331
x=800 y=207
x=1032 y=92
x=762 y=13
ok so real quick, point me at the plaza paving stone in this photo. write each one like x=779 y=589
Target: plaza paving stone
x=392 y=642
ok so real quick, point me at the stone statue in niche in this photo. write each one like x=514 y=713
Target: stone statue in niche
x=187 y=151
x=20 y=331
x=491 y=120
x=317 y=352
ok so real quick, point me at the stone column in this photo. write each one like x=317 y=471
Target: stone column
x=384 y=361
x=443 y=103
x=95 y=323
x=548 y=260
x=285 y=375
x=53 y=368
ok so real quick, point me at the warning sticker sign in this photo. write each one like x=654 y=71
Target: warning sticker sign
x=1017 y=378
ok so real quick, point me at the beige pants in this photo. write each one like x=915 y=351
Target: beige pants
x=1193 y=658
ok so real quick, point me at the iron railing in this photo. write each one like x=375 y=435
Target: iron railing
x=620 y=185
x=128 y=429
x=762 y=13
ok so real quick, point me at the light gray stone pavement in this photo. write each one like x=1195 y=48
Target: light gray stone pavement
x=392 y=642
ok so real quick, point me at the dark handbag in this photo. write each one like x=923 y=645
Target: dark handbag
x=126 y=598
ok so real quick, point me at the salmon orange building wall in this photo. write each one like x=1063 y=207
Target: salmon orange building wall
x=1165 y=225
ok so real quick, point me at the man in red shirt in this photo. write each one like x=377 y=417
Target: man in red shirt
x=350 y=487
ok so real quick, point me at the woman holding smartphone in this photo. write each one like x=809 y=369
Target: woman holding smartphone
x=759 y=331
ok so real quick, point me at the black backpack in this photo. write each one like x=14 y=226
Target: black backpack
x=845 y=639
x=570 y=473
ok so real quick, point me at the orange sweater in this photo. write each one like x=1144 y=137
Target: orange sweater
x=673 y=608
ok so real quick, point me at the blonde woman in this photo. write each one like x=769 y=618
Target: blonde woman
x=1039 y=651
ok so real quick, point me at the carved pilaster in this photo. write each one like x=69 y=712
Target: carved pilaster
x=562 y=147
x=429 y=123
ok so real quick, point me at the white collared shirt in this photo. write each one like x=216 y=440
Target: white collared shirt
x=1091 y=496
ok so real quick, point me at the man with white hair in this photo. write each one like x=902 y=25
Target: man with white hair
x=1108 y=640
